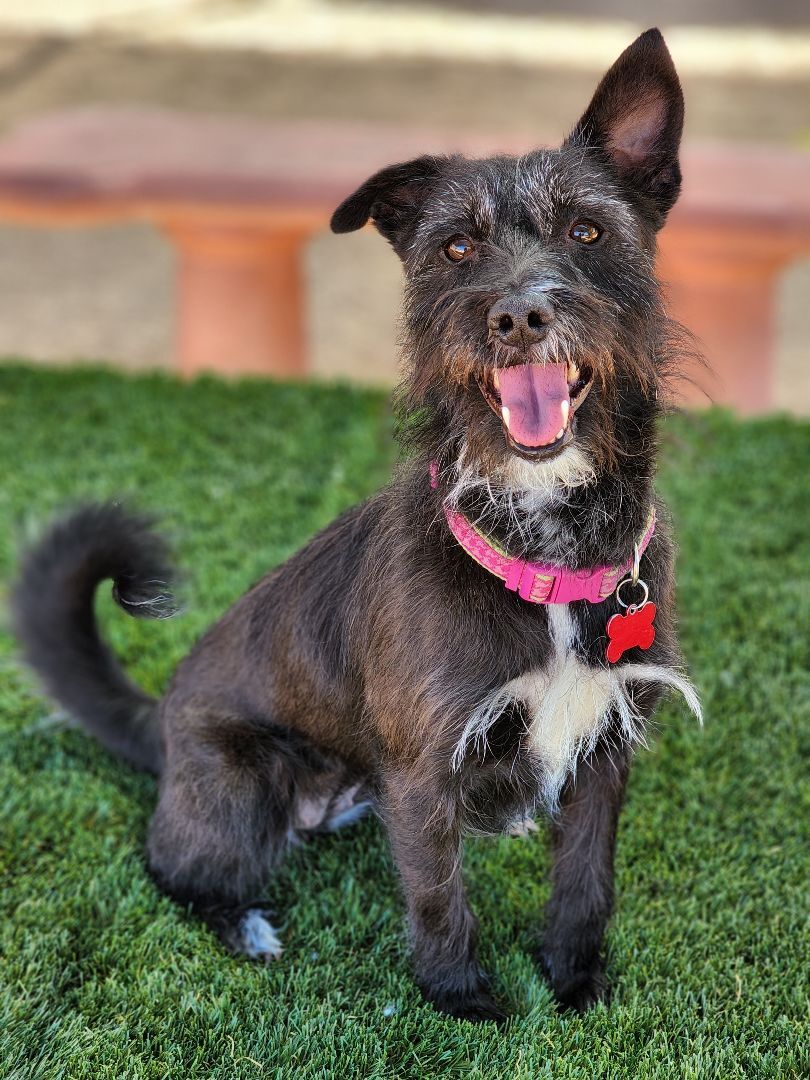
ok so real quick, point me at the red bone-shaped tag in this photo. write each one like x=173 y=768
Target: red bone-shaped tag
x=627 y=631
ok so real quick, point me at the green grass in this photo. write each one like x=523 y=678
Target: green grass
x=101 y=977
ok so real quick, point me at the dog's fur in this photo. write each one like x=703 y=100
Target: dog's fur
x=381 y=664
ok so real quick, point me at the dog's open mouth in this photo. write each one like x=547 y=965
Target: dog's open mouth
x=536 y=404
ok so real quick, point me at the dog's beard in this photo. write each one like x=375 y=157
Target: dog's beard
x=536 y=392
x=517 y=495
x=622 y=353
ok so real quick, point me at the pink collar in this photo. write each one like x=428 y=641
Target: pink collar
x=540 y=583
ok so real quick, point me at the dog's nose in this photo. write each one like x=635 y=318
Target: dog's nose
x=520 y=319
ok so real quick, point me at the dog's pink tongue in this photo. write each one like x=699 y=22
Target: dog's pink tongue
x=534 y=402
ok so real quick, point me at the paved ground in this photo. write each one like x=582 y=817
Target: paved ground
x=108 y=293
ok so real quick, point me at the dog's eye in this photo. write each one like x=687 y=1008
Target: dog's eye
x=585 y=232
x=458 y=248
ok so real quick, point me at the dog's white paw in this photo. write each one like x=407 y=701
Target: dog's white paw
x=259 y=939
x=522 y=827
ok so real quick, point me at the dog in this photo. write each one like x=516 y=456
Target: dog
x=488 y=637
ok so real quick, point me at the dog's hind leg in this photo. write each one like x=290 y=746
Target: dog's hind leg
x=224 y=819
x=348 y=807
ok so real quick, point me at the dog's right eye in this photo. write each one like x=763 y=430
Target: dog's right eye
x=458 y=248
x=585 y=232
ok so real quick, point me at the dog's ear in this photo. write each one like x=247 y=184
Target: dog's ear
x=391 y=198
x=635 y=120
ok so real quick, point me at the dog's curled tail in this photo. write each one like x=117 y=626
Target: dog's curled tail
x=53 y=615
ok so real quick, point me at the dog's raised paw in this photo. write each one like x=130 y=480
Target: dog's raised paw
x=258 y=938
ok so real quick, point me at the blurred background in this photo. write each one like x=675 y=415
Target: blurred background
x=110 y=286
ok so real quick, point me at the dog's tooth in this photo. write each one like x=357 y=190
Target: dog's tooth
x=565 y=407
x=559 y=434
x=573 y=372
x=505 y=414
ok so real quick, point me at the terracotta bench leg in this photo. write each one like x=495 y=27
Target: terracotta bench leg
x=240 y=300
x=723 y=289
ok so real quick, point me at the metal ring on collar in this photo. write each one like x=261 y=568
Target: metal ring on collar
x=629 y=581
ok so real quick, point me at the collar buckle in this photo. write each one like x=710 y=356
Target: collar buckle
x=570 y=585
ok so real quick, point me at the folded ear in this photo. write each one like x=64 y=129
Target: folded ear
x=392 y=199
x=635 y=120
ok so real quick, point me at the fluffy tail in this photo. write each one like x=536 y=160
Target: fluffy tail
x=52 y=609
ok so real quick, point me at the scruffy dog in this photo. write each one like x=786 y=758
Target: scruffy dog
x=472 y=645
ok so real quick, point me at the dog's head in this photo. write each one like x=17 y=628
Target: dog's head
x=533 y=316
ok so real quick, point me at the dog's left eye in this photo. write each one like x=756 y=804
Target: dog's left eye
x=458 y=248
x=585 y=232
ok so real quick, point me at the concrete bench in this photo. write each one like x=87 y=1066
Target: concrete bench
x=239 y=199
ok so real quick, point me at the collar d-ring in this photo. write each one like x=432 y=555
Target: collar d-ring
x=636 y=563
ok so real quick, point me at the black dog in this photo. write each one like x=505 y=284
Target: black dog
x=385 y=665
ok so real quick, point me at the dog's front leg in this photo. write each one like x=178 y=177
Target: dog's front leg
x=584 y=839
x=426 y=844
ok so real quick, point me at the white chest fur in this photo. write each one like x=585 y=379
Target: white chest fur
x=568 y=705
x=566 y=701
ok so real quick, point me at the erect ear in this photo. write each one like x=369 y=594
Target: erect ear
x=635 y=120
x=392 y=199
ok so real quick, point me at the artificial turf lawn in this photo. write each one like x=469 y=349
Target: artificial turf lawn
x=103 y=977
